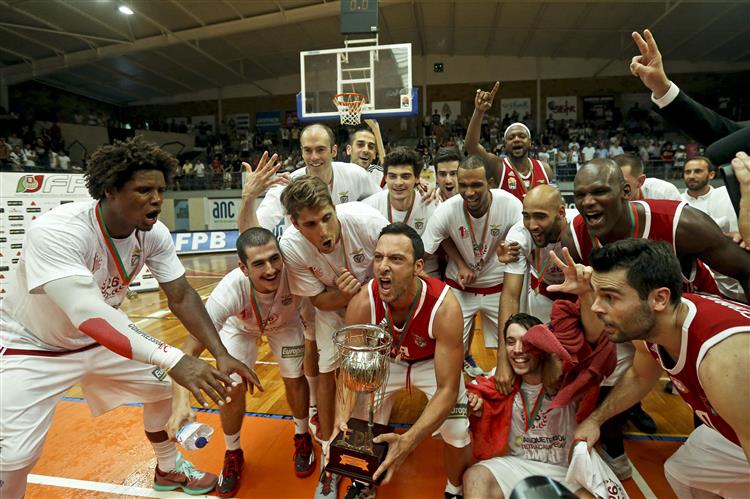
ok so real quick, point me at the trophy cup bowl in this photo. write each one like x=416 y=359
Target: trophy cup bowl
x=363 y=351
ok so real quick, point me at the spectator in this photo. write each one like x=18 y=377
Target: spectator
x=63 y=160
x=588 y=152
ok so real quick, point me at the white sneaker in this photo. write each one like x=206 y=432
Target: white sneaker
x=620 y=465
x=472 y=371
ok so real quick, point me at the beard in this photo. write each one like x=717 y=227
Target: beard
x=638 y=326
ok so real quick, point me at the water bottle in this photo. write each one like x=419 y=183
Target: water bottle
x=194 y=435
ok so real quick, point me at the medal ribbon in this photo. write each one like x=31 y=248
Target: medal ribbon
x=405 y=330
x=530 y=417
x=476 y=247
x=343 y=249
x=257 y=312
x=408 y=212
x=634 y=222
x=126 y=278
x=538 y=254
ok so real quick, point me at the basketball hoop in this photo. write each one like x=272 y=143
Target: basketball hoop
x=349 y=105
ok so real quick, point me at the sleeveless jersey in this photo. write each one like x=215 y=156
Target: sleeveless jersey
x=418 y=343
x=661 y=220
x=710 y=320
x=512 y=181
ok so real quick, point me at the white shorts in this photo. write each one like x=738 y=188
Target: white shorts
x=625 y=354
x=287 y=345
x=510 y=470
x=539 y=306
x=326 y=323
x=32 y=386
x=487 y=306
x=708 y=461
x=455 y=429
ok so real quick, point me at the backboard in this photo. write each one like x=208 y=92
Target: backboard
x=382 y=73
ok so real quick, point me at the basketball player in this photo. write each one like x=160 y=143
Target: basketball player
x=606 y=215
x=328 y=253
x=424 y=319
x=402 y=201
x=544 y=221
x=365 y=144
x=640 y=186
x=447 y=160
x=518 y=173
x=346 y=181
x=60 y=322
x=252 y=301
x=476 y=223
x=702 y=341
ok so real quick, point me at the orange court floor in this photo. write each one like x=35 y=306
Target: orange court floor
x=109 y=456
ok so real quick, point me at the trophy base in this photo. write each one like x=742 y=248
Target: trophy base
x=349 y=459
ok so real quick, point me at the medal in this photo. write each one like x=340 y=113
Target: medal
x=519 y=441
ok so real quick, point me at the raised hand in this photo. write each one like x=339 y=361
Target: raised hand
x=577 y=275
x=229 y=365
x=201 y=378
x=508 y=251
x=263 y=177
x=648 y=65
x=483 y=100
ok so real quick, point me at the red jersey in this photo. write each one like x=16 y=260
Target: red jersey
x=709 y=321
x=417 y=342
x=661 y=219
x=512 y=181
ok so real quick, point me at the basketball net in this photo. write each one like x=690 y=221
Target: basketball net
x=349 y=105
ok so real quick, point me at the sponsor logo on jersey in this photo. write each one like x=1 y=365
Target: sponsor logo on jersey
x=421 y=341
x=16 y=246
x=459 y=411
x=358 y=255
x=33 y=210
x=17 y=231
x=344 y=196
x=418 y=223
x=159 y=373
x=293 y=352
x=512 y=183
x=29 y=183
x=15 y=203
x=495 y=230
x=463 y=232
x=135 y=258
x=97 y=264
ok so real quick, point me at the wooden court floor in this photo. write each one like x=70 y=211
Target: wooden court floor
x=109 y=456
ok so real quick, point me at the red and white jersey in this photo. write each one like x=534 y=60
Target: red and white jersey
x=661 y=218
x=710 y=320
x=69 y=241
x=477 y=239
x=231 y=304
x=511 y=180
x=418 y=342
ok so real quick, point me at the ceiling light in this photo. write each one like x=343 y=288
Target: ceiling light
x=124 y=9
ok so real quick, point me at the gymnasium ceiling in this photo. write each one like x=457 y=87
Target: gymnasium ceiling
x=171 y=47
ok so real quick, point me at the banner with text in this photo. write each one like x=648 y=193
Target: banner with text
x=520 y=106
x=221 y=214
x=562 y=108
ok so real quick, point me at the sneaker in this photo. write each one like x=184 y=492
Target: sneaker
x=184 y=476
x=360 y=490
x=471 y=368
x=304 y=457
x=328 y=486
x=229 y=480
x=620 y=465
x=314 y=423
x=642 y=420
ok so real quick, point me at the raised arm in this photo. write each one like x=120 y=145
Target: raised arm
x=482 y=103
x=741 y=167
x=375 y=127
x=256 y=183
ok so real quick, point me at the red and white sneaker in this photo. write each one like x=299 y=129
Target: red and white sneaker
x=229 y=480
x=184 y=476
x=304 y=455
x=314 y=423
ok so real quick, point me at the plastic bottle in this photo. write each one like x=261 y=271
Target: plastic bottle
x=194 y=435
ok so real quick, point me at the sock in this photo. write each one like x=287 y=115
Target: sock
x=300 y=426
x=233 y=441
x=312 y=411
x=312 y=382
x=456 y=490
x=324 y=445
x=166 y=455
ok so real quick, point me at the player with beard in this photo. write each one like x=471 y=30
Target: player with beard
x=702 y=341
x=607 y=215
x=402 y=201
x=518 y=173
x=475 y=223
x=328 y=254
x=700 y=194
x=447 y=160
x=526 y=252
x=642 y=187
x=366 y=144
x=425 y=320
x=61 y=322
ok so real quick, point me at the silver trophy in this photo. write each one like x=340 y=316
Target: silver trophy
x=363 y=351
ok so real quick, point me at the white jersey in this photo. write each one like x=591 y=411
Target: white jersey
x=550 y=436
x=450 y=221
x=377 y=173
x=417 y=220
x=656 y=188
x=350 y=183
x=312 y=272
x=717 y=204
x=230 y=304
x=68 y=241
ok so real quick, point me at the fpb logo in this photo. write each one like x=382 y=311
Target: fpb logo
x=29 y=183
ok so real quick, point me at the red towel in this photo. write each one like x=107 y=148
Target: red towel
x=492 y=428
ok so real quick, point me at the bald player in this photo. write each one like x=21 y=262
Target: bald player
x=518 y=173
x=531 y=240
x=642 y=187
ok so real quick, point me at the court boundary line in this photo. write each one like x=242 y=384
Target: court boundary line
x=641 y=482
x=109 y=488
